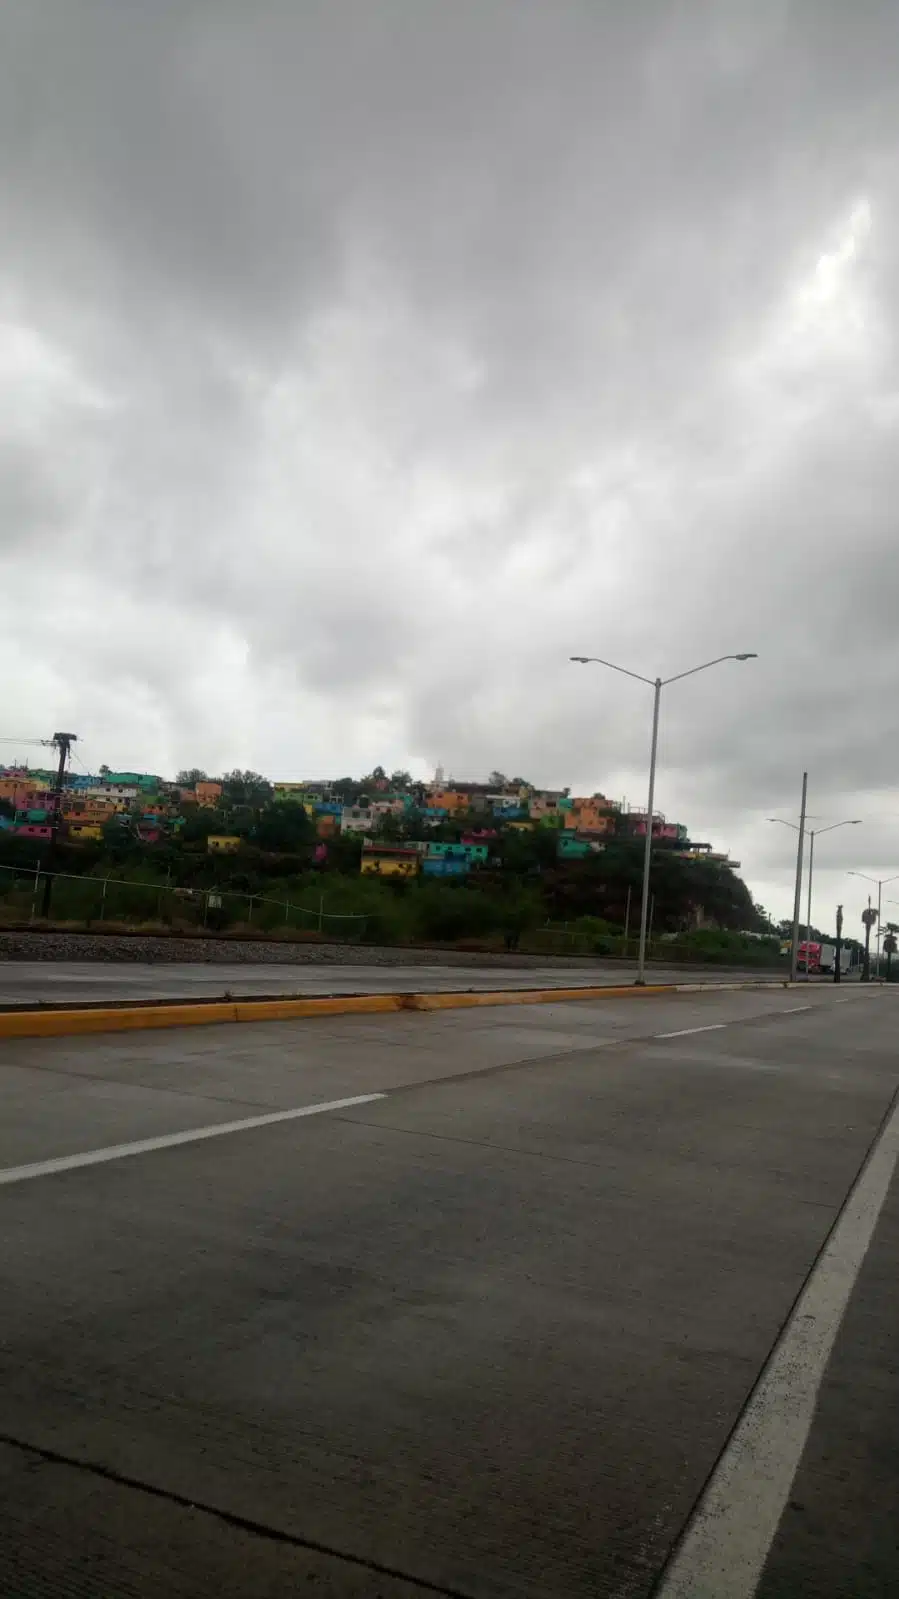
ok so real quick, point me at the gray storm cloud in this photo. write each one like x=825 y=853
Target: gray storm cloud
x=360 y=362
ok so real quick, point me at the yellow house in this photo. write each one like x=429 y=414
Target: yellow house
x=83 y=830
x=222 y=844
x=386 y=860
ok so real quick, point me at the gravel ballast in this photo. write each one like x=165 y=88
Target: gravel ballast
x=124 y=947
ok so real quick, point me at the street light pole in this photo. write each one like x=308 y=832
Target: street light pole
x=647 y=853
x=656 y=684
x=854 y=821
x=881 y=884
x=808 y=910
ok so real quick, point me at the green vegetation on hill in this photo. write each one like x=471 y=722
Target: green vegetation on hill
x=524 y=897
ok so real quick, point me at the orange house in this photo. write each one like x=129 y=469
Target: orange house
x=449 y=799
x=590 y=815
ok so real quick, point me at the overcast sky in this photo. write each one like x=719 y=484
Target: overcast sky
x=361 y=360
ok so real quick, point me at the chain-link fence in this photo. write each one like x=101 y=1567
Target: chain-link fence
x=579 y=938
x=97 y=900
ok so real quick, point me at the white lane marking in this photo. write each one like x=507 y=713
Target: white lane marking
x=731 y=1531
x=683 y=1031
x=793 y=1010
x=194 y=1135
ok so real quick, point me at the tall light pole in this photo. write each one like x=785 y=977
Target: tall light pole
x=814 y=832
x=881 y=884
x=656 y=684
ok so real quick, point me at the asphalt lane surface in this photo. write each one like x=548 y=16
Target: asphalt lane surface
x=485 y=1335
x=58 y=982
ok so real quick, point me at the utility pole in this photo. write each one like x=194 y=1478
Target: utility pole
x=838 y=959
x=63 y=742
x=797 y=897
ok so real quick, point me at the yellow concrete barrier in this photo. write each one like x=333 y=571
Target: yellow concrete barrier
x=524 y=996
x=103 y=1019
x=125 y=1018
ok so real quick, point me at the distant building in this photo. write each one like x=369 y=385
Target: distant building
x=357 y=819
x=208 y=794
x=223 y=844
x=593 y=815
x=571 y=848
x=389 y=860
x=673 y=832
x=449 y=800
x=445 y=866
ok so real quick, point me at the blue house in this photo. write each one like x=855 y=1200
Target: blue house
x=444 y=866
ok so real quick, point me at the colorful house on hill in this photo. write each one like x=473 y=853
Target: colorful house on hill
x=571 y=848
x=445 y=866
x=450 y=801
x=85 y=832
x=674 y=832
x=507 y=807
x=33 y=830
x=549 y=809
x=472 y=854
x=223 y=844
x=590 y=815
x=357 y=819
x=208 y=794
x=389 y=860
x=146 y=782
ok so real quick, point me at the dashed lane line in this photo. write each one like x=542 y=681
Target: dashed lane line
x=194 y=1135
x=682 y=1032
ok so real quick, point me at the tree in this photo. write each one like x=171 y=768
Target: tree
x=497 y=779
x=401 y=780
x=7 y=808
x=284 y=828
x=246 y=788
x=190 y=776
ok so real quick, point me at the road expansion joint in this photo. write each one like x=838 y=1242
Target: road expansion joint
x=230 y=1518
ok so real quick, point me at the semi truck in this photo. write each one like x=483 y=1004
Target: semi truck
x=820 y=959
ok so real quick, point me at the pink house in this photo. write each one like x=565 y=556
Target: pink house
x=32 y=830
x=660 y=828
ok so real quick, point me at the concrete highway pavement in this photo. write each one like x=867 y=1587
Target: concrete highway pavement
x=484 y=1328
x=79 y=982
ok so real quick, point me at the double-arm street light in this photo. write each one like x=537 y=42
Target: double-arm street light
x=814 y=832
x=656 y=684
x=881 y=884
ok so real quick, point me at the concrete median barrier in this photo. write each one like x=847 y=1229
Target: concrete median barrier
x=48 y=1023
